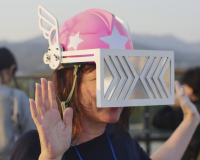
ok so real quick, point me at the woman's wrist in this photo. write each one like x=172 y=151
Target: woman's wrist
x=43 y=157
x=193 y=118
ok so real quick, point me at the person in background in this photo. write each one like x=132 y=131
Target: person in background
x=15 y=116
x=169 y=117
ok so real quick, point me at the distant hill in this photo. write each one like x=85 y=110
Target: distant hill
x=30 y=53
x=186 y=55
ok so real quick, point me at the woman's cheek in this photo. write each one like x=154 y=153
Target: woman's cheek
x=92 y=90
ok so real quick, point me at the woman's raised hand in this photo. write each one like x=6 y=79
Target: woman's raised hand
x=188 y=108
x=55 y=133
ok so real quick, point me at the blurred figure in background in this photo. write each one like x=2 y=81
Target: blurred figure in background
x=15 y=116
x=169 y=117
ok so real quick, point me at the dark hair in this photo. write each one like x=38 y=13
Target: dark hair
x=63 y=80
x=192 y=78
x=7 y=59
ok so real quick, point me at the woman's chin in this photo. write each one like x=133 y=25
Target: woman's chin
x=112 y=117
x=113 y=114
x=112 y=120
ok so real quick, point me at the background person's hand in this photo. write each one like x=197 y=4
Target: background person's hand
x=55 y=133
x=188 y=108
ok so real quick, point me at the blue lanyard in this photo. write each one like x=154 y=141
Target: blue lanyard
x=110 y=147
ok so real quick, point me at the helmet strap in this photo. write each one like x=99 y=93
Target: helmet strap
x=64 y=104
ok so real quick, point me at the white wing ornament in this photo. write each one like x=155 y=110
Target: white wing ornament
x=53 y=56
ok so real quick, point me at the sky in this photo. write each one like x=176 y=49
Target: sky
x=179 y=18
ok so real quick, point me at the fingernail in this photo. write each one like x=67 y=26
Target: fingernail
x=36 y=84
x=42 y=79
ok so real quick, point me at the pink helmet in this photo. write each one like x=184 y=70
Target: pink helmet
x=94 y=28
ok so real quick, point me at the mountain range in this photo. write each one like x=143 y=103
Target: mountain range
x=29 y=54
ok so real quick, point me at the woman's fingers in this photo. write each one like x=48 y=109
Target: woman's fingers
x=45 y=98
x=187 y=106
x=35 y=115
x=52 y=97
x=38 y=100
x=179 y=89
x=67 y=116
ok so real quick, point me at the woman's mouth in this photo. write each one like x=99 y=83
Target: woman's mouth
x=113 y=108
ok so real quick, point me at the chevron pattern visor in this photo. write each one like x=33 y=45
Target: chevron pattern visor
x=129 y=77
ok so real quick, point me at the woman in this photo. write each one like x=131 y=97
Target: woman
x=80 y=133
x=15 y=116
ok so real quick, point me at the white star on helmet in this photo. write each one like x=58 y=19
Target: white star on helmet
x=74 y=41
x=115 y=40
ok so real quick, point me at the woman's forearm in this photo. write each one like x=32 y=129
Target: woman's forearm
x=176 y=145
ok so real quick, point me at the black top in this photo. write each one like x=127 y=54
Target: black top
x=170 y=118
x=27 y=147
